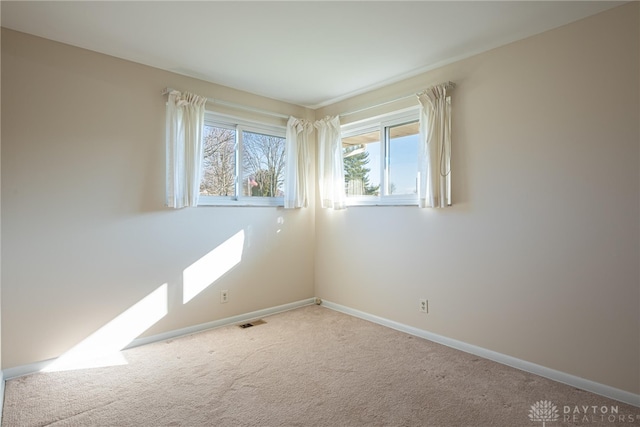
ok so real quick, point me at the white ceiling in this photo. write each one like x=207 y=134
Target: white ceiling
x=303 y=52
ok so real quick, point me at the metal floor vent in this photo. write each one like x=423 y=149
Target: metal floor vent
x=254 y=323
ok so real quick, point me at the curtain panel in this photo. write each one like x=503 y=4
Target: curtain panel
x=296 y=193
x=330 y=164
x=434 y=156
x=184 y=122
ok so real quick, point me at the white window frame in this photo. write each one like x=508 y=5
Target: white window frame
x=380 y=124
x=240 y=126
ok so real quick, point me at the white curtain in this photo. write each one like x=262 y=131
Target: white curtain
x=434 y=157
x=330 y=163
x=297 y=163
x=185 y=120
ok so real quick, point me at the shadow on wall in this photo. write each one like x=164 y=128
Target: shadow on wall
x=103 y=347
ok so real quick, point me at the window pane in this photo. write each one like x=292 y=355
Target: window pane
x=403 y=158
x=362 y=164
x=262 y=165
x=219 y=162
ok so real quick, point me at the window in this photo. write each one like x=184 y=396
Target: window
x=243 y=163
x=381 y=159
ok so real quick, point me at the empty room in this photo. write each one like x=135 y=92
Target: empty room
x=320 y=213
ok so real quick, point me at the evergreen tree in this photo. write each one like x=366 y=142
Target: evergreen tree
x=356 y=172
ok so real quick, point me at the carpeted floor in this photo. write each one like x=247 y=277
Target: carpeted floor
x=306 y=367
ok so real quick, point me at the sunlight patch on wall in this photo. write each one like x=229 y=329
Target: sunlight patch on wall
x=102 y=348
x=204 y=272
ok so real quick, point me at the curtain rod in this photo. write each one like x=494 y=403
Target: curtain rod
x=447 y=85
x=237 y=106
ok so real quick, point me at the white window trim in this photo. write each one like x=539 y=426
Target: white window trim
x=240 y=125
x=379 y=123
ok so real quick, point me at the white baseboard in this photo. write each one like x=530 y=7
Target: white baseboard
x=32 y=368
x=241 y=318
x=523 y=365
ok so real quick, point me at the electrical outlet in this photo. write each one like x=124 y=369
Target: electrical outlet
x=424 y=305
x=224 y=296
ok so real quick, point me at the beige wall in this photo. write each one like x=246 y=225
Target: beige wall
x=538 y=258
x=85 y=233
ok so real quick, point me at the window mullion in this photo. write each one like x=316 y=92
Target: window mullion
x=384 y=146
x=239 y=154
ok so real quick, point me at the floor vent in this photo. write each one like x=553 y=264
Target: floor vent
x=254 y=323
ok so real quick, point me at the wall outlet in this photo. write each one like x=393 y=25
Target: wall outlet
x=424 y=305
x=224 y=296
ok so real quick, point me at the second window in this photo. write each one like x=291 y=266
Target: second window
x=381 y=159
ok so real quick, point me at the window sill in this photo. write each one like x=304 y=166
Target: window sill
x=382 y=201
x=241 y=201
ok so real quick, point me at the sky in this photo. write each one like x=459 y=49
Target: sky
x=403 y=167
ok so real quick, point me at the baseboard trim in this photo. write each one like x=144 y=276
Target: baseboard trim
x=32 y=368
x=552 y=374
x=241 y=318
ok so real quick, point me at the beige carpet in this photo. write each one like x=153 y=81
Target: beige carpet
x=306 y=367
